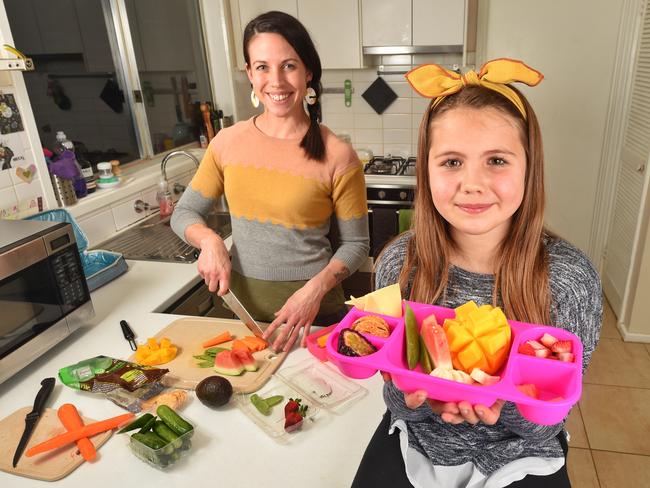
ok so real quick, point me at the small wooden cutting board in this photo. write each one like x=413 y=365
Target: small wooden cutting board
x=189 y=333
x=49 y=466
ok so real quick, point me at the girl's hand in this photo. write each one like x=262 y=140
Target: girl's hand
x=457 y=413
x=214 y=264
x=299 y=311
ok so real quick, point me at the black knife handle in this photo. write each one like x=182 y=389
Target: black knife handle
x=47 y=385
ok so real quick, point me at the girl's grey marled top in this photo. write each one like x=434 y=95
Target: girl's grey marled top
x=576 y=306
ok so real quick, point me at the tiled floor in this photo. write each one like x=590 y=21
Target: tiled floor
x=610 y=426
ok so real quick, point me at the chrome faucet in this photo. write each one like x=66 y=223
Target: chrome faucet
x=163 y=164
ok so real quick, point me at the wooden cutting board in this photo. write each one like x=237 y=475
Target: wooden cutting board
x=189 y=333
x=50 y=466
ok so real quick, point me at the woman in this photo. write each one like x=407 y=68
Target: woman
x=284 y=176
x=479 y=235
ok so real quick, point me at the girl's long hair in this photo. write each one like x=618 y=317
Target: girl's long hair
x=521 y=272
x=297 y=36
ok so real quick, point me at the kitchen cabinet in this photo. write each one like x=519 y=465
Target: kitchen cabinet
x=332 y=25
x=96 y=46
x=413 y=23
x=44 y=27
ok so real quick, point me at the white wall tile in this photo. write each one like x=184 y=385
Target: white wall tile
x=367 y=121
x=402 y=88
x=377 y=149
x=397 y=136
x=416 y=119
x=345 y=120
x=368 y=135
x=5 y=179
x=7 y=197
x=124 y=213
x=335 y=77
x=396 y=121
x=25 y=191
x=420 y=104
x=369 y=74
x=360 y=106
x=399 y=106
x=334 y=103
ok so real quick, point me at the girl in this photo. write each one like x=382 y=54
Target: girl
x=478 y=235
x=284 y=176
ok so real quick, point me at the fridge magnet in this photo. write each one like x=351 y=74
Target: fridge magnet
x=12 y=151
x=26 y=174
x=10 y=120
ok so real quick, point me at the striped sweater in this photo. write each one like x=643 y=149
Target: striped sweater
x=280 y=202
x=576 y=306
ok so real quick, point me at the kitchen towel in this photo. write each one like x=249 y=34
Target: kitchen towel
x=112 y=96
x=379 y=95
x=404 y=219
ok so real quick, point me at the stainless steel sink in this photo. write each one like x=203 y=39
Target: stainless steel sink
x=154 y=240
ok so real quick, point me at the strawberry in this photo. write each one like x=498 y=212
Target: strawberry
x=542 y=353
x=536 y=345
x=561 y=346
x=527 y=349
x=566 y=357
x=548 y=340
x=294 y=412
x=292 y=406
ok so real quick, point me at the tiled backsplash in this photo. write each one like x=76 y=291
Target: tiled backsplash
x=393 y=132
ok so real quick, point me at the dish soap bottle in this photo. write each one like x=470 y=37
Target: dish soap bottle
x=164 y=198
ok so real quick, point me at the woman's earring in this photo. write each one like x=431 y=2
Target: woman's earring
x=310 y=97
x=254 y=100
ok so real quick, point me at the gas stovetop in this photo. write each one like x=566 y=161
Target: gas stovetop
x=390 y=166
x=390 y=172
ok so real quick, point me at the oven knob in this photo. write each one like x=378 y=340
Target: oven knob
x=382 y=194
x=402 y=195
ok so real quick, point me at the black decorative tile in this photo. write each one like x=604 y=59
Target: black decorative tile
x=379 y=95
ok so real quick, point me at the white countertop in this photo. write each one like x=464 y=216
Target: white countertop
x=228 y=450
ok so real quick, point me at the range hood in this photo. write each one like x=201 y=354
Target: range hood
x=386 y=50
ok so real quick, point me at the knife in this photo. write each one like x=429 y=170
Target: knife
x=47 y=385
x=238 y=309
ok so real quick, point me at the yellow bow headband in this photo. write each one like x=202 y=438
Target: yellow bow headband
x=434 y=81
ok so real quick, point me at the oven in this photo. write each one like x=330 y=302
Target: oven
x=43 y=291
x=390 y=189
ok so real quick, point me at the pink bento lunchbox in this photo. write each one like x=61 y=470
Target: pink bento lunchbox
x=559 y=384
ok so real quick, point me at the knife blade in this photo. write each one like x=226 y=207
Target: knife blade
x=47 y=385
x=238 y=309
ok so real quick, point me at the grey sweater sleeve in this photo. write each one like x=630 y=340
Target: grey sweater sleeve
x=192 y=208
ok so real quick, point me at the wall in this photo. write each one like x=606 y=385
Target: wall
x=573 y=44
x=15 y=193
x=639 y=327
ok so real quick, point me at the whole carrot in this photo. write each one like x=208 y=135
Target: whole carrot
x=85 y=431
x=71 y=420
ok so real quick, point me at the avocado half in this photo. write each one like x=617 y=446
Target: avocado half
x=214 y=391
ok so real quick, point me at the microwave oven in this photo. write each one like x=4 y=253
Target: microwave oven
x=43 y=292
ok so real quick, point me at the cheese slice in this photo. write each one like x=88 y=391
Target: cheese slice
x=385 y=301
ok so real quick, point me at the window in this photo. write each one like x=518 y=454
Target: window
x=122 y=78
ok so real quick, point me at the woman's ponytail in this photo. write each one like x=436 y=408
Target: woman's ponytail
x=313 y=143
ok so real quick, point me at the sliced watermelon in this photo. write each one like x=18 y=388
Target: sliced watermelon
x=435 y=339
x=227 y=362
x=247 y=359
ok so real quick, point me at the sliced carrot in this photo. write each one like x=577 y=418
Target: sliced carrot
x=71 y=420
x=218 y=339
x=74 y=435
x=255 y=343
x=239 y=344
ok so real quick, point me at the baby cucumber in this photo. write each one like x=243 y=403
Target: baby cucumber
x=161 y=429
x=174 y=421
x=412 y=338
x=150 y=439
x=137 y=423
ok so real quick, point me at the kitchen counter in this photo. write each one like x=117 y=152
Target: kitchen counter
x=228 y=449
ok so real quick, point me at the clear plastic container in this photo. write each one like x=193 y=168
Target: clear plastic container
x=317 y=385
x=166 y=456
x=164 y=199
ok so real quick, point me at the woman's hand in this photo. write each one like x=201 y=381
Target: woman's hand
x=214 y=264
x=454 y=413
x=298 y=311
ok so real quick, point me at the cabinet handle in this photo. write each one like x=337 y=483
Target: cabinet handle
x=641 y=168
x=204 y=306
